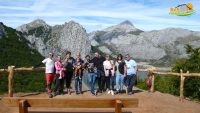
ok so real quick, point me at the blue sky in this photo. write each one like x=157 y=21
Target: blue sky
x=99 y=14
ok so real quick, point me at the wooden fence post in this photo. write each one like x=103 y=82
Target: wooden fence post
x=23 y=106
x=10 y=80
x=152 y=83
x=118 y=106
x=182 y=79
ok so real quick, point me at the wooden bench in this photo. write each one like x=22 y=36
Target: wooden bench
x=24 y=103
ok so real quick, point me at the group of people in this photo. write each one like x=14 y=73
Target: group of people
x=100 y=68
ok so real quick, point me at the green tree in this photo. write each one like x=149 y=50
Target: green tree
x=191 y=64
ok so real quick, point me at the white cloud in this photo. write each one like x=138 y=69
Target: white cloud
x=100 y=12
x=14 y=8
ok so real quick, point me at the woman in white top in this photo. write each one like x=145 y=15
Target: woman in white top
x=109 y=72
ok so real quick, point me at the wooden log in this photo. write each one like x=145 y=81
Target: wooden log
x=29 y=69
x=152 y=84
x=23 y=107
x=167 y=73
x=10 y=80
x=118 y=106
x=191 y=74
x=182 y=79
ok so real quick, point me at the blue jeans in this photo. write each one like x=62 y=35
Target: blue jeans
x=92 y=77
x=130 y=81
x=78 y=82
x=112 y=78
x=119 y=82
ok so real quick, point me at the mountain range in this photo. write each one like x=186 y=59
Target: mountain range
x=158 y=47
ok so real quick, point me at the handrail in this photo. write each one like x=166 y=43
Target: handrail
x=152 y=71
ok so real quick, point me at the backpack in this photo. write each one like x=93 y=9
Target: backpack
x=148 y=82
x=121 y=67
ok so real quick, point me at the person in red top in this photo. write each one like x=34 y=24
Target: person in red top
x=59 y=76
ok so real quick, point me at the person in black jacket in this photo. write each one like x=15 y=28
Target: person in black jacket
x=98 y=63
x=68 y=70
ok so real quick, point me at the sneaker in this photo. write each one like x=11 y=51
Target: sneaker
x=127 y=91
x=130 y=93
x=95 y=92
x=81 y=92
x=100 y=91
x=109 y=91
x=50 y=96
x=76 y=92
x=69 y=91
x=112 y=93
x=53 y=94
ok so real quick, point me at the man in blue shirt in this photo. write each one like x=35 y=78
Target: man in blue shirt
x=131 y=69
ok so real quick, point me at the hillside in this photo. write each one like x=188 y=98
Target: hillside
x=15 y=49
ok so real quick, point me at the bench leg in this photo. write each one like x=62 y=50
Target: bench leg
x=118 y=106
x=23 y=106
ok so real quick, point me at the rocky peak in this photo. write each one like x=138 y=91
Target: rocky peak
x=32 y=25
x=125 y=26
x=38 y=22
x=126 y=22
x=70 y=36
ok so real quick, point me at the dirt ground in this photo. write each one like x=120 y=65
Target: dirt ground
x=148 y=103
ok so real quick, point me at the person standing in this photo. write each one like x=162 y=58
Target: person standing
x=68 y=65
x=131 y=69
x=120 y=73
x=109 y=72
x=89 y=65
x=49 y=73
x=59 y=77
x=98 y=64
x=78 y=66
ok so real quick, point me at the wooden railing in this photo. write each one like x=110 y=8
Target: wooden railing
x=153 y=71
x=11 y=70
x=182 y=79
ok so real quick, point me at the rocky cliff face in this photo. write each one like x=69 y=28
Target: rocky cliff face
x=160 y=46
x=58 y=39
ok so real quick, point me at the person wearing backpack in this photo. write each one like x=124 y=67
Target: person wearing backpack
x=120 y=73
